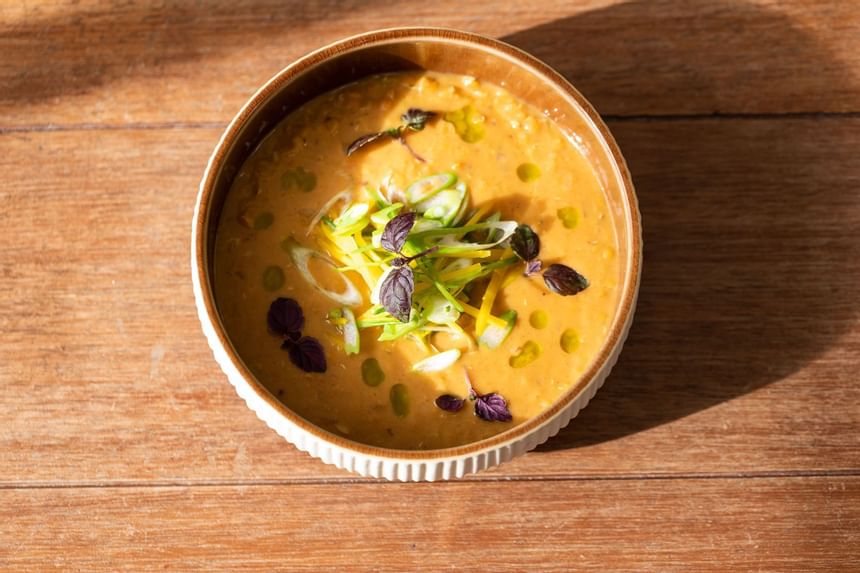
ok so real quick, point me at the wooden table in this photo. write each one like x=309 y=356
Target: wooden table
x=727 y=439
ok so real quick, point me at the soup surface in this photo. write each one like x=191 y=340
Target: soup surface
x=299 y=219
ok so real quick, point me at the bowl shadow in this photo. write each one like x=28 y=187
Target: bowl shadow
x=743 y=215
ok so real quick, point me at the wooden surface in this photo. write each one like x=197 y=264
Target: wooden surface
x=727 y=438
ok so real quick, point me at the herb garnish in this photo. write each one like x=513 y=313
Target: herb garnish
x=307 y=353
x=559 y=278
x=413 y=120
x=286 y=319
x=450 y=403
x=564 y=280
x=491 y=407
x=395 y=293
x=526 y=245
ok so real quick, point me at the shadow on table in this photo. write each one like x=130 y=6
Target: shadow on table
x=77 y=51
x=738 y=288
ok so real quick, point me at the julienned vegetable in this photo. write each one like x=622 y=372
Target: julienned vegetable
x=417 y=256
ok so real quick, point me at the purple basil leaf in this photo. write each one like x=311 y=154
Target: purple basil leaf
x=395 y=294
x=450 y=403
x=492 y=408
x=525 y=243
x=415 y=119
x=307 y=353
x=362 y=141
x=396 y=231
x=564 y=280
x=532 y=267
x=285 y=317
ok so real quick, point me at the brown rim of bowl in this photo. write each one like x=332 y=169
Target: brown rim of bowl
x=631 y=274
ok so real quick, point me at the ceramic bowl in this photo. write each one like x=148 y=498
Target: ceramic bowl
x=410 y=49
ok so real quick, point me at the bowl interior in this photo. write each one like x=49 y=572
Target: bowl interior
x=443 y=51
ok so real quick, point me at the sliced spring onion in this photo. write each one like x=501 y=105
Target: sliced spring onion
x=426 y=187
x=450 y=245
x=400 y=329
x=445 y=205
x=460 y=333
x=352 y=215
x=464 y=204
x=376 y=195
x=437 y=362
x=423 y=224
x=381 y=217
x=344 y=195
x=494 y=335
x=506 y=227
x=439 y=310
x=448 y=296
x=352 y=229
x=390 y=189
x=460 y=273
x=302 y=255
x=376 y=315
x=351 y=339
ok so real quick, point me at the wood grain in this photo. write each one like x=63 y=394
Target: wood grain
x=726 y=439
x=651 y=525
x=741 y=358
x=100 y=63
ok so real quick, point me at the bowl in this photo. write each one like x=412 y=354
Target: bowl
x=391 y=50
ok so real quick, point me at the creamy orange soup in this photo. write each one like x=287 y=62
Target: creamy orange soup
x=513 y=161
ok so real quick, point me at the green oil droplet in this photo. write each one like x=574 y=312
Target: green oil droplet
x=399 y=397
x=527 y=354
x=528 y=172
x=300 y=179
x=273 y=278
x=264 y=220
x=305 y=180
x=569 y=217
x=468 y=123
x=371 y=372
x=569 y=341
x=539 y=319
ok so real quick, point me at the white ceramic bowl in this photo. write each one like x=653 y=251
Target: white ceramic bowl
x=400 y=49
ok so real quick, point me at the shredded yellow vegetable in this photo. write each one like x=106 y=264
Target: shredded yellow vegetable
x=472 y=311
x=459 y=273
x=359 y=240
x=343 y=246
x=514 y=273
x=479 y=214
x=488 y=300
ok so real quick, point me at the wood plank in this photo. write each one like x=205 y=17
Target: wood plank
x=743 y=357
x=651 y=525
x=99 y=62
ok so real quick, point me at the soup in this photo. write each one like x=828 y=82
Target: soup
x=417 y=261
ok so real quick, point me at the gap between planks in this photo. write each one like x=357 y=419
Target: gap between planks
x=716 y=116
x=116 y=484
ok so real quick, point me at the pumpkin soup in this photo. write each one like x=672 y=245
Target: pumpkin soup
x=417 y=261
